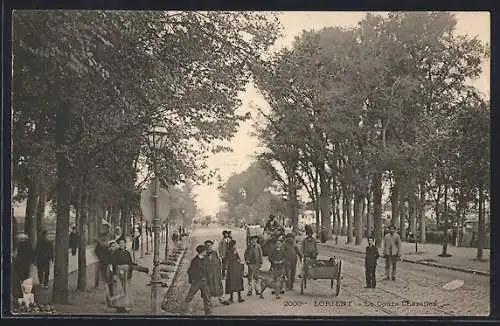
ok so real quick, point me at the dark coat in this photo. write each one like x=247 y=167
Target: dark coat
x=234 y=277
x=122 y=257
x=277 y=256
x=309 y=247
x=73 y=240
x=291 y=252
x=102 y=253
x=197 y=270
x=44 y=252
x=214 y=277
x=371 y=256
x=253 y=256
x=24 y=258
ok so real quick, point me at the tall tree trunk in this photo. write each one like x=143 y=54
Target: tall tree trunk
x=333 y=194
x=344 y=212
x=369 y=216
x=60 y=286
x=292 y=201
x=337 y=213
x=40 y=211
x=377 y=208
x=358 y=217
x=480 y=225
x=317 y=215
x=422 y=217
x=395 y=201
x=326 y=222
x=403 y=217
x=350 y=217
x=30 y=228
x=364 y=222
x=445 y=222
x=82 y=233
x=412 y=206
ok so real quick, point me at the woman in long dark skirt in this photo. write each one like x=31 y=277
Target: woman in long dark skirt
x=234 y=278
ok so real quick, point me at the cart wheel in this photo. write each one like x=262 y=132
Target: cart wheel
x=302 y=282
x=337 y=290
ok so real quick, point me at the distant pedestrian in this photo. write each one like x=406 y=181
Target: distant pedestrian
x=180 y=231
x=253 y=258
x=234 y=279
x=277 y=257
x=292 y=254
x=392 y=252
x=214 y=276
x=175 y=237
x=223 y=248
x=197 y=276
x=371 y=257
x=44 y=256
x=73 y=241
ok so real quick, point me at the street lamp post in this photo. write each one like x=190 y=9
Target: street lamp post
x=157 y=137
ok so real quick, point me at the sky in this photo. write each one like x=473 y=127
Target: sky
x=245 y=145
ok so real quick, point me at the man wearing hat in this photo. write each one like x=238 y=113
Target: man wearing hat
x=214 y=276
x=223 y=247
x=392 y=251
x=253 y=259
x=292 y=253
x=277 y=258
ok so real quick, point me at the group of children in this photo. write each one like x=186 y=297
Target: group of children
x=116 y=266
x=208 y=268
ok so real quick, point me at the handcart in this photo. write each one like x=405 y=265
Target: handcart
x=316 y=269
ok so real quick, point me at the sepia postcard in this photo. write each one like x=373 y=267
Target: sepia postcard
x=169 y=163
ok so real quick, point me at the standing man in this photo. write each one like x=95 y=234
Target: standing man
x=73 y=240
x=309 y=247
x=223 y=247
x=371 y=263
x=253 y=258
x=292 y=252
x=392 y=252
x=214 y=276
x=277 y=259
x=44 y=255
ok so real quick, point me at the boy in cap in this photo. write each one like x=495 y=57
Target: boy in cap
x=371 y=263
x=292 y=252
x=392 y=252
x=253 y=258
x=197 y=276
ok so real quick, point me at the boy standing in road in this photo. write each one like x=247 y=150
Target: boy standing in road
x=253 y=258
x=292 y=252
x=371 y=263
x=197 y=276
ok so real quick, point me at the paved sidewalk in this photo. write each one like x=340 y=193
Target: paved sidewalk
x=92 y=301
x=462 y=259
